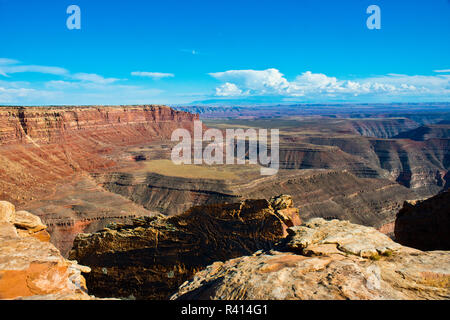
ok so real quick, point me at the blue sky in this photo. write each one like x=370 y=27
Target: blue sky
x=179 y=52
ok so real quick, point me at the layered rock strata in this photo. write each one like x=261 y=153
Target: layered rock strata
x=151 y=257
x=43 y=145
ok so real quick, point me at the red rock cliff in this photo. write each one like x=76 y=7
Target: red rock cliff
x=39 y=145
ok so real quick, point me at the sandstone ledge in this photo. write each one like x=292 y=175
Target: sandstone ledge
x=30 y=266
x=327 y=260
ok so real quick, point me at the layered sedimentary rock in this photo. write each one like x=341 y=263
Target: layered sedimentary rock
x=151 y=257
x=432 y=131
x=42 y=145
x=327 y=260
x=309 y=156
x=30 y=266
x=382 y=128
x=425 y=225
x=318 y=193
x=419 y=165
x=338 y=194
x=82 y=206
x=47 y=153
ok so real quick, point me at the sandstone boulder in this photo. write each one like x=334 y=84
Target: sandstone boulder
x=7 y=211
x=326 y=260
x=28 y=221
x=31 y=267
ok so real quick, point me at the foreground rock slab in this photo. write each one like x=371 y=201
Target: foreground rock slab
x=327 y=260
x=30 y=266
x=151 y=257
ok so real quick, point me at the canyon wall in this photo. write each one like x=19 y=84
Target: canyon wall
x=317 y=193
x=422 y=166
x=41 y=145
x=48 y=153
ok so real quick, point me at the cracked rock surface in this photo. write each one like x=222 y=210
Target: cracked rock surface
x=327 y=260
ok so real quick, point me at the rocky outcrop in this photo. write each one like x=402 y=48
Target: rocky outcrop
x=326 y=260
x=30 y=266
x=425 y=225
x=151 y=257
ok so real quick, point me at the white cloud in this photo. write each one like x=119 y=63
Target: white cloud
x=269 y=81
x=6 y=61
x=72 y=88
x=153 y=75
x=317 y=85
x=61 y=84
x=10 y=66
x=442 y=71
x=228 y=89
x=92 y=77
x=24 y=95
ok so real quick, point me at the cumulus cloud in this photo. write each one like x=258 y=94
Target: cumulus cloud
x=228 y=89
x=269 y=81
x=153 y=75
x=313 y=85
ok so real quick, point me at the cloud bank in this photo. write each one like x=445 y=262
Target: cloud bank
x=271 y=82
